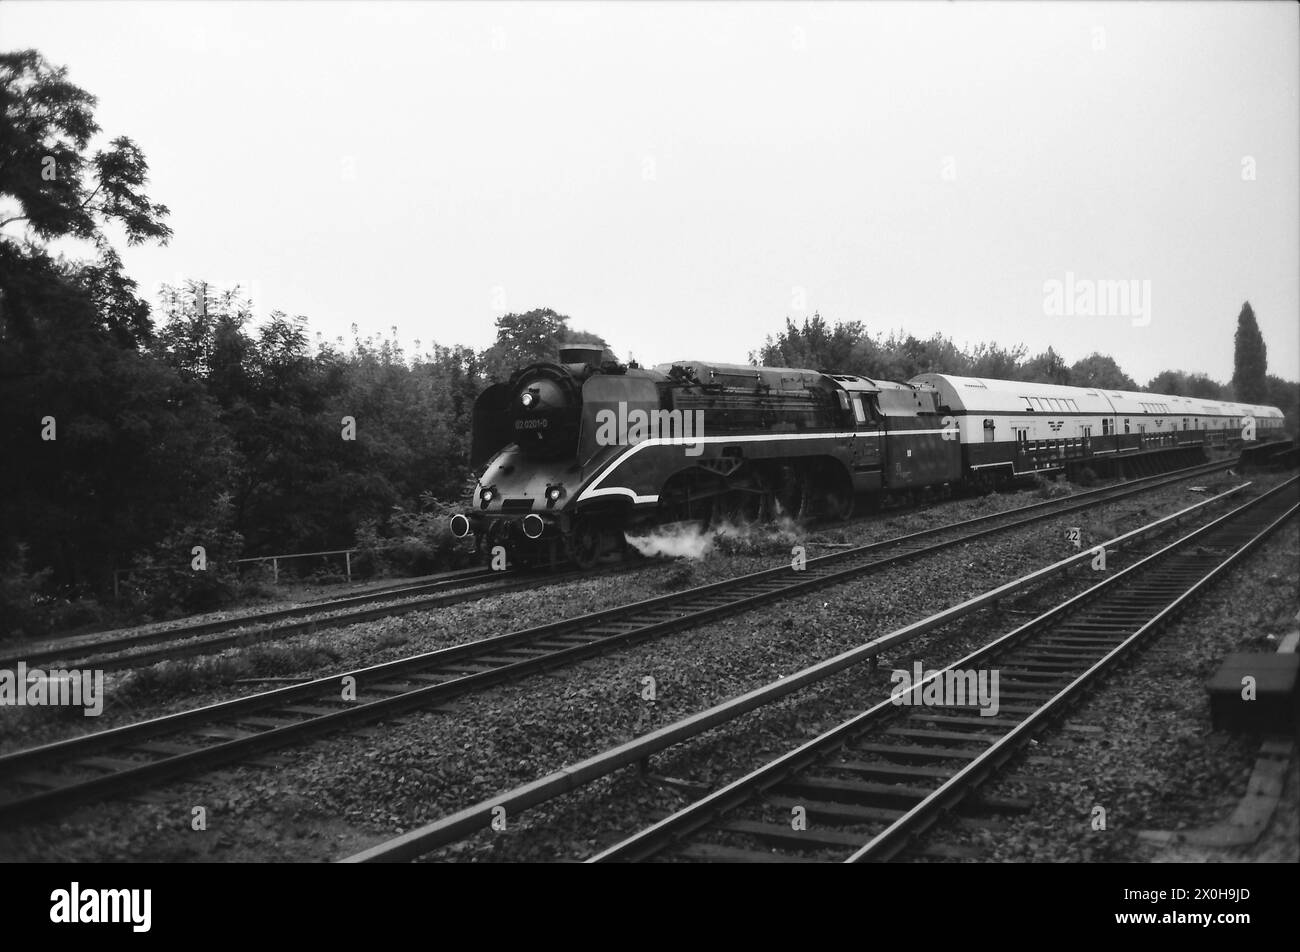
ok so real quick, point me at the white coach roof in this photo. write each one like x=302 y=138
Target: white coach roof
x=981 y=395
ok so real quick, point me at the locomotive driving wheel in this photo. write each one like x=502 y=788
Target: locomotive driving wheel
x=582 y=544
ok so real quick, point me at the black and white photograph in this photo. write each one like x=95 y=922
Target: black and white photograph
x=650 y=432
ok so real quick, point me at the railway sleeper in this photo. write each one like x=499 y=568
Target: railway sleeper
x=161 y=747
x=826 y=787
x=830 y=810
x=783 y=834
x=108 y=765
x=715 y=853
x=923 y=733
x=1031 y=663
x=880 y=770
x=972 y=719
x=269 y=722
x=916 y=752
x=312 y=710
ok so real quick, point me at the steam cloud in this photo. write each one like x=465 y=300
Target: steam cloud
x=687 y=540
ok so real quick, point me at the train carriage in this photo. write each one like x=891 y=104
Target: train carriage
x=1010 y=428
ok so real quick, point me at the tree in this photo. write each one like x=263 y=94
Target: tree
x=1172 y=383
x=1250 y=359
x=62 y=190
x=1098 y=370
x=46 y=124
x=1047 y=367
x=131 y=449
x=1285 y=395
x=127 y=443
x=533 y=337
x=993 y=362
x=1203 y=386
x=1175 y=383
x=812 y=346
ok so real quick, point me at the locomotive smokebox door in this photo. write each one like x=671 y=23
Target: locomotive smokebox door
x=490 y=428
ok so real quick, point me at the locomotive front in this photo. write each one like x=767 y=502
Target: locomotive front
x=525 y=442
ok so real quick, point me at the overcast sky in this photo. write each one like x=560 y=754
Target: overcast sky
x=682 y=177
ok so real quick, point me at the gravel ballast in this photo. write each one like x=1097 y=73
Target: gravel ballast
x=345 y=792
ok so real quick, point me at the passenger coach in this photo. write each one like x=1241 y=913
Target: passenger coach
x=1012 y=428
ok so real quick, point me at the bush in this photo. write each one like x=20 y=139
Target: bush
x=28 y=609
x=1050 y=488
x=255 y=588
x=24 y=606
x=77 y=613
x=164 y=582
x=417 y=543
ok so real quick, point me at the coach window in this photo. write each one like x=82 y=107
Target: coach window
x=1126 y=424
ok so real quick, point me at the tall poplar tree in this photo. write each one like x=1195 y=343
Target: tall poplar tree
x=1250 y=359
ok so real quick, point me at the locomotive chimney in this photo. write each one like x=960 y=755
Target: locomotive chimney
x=589 y=354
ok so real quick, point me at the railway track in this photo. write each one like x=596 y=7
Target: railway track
x=115 y=652
x=64 y=773
x=868 y=788
x=118 y=652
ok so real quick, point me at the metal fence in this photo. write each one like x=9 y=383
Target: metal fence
x=275 y=560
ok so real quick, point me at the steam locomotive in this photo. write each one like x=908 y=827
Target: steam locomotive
x=575 y=454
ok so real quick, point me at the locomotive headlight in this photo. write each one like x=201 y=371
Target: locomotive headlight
x=486 y=496
x=554 y=493
x=528 y=399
